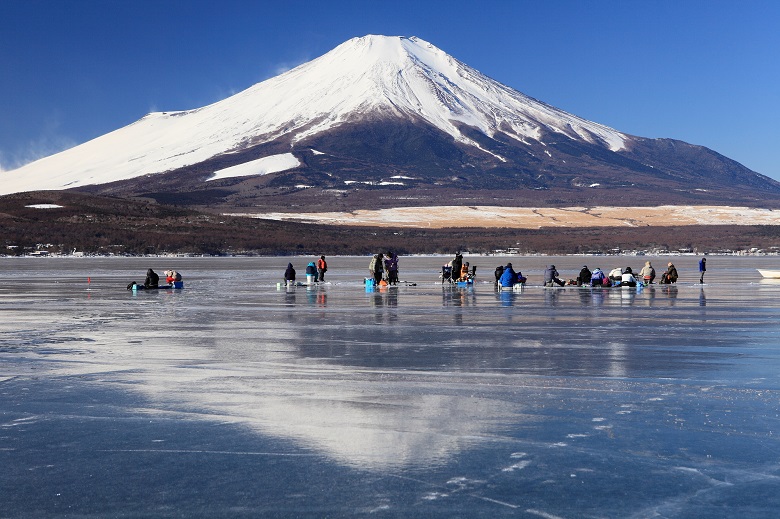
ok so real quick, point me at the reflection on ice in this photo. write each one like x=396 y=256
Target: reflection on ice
x=341 y=412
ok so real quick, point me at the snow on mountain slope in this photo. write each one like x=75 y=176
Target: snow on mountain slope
x=264 y=166
x=366 y=77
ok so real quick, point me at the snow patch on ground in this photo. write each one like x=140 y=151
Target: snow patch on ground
x=44 y=206
x=264 y=166
x=534 y=218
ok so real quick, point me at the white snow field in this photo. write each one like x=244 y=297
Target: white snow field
x=534 y=218
x=264 y=166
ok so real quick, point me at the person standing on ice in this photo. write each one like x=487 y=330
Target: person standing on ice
x=457 y=265
x=322 y=268
x=702 y=269
x=376 y=268
x=391 y=266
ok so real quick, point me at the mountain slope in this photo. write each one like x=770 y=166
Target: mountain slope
x=385 y=113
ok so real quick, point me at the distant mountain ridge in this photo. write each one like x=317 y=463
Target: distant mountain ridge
x=386 y=121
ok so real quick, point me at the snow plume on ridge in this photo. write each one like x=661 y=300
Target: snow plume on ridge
x=363 y=78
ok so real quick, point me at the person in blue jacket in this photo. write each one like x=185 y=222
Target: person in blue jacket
x=311 y=273
x=597 y=278
x=509 y=277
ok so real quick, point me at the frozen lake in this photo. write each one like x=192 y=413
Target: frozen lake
x=233 y=398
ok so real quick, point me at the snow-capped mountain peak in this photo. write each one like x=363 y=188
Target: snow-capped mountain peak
x=413 y=78
x=364 y=78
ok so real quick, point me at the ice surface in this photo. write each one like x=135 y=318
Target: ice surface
x=235 y=397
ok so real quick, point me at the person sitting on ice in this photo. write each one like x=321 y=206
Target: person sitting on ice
x=498 y=272
x=509 y=277
x=647 y=274
x=583 y=278
x=627 y=279
x=172 y=276
x=152 y=279
x=598 y=278
x=464 y=272
x=670 y=276
x=311 y=273
x=616 y=274
x=551 y=277
x=289 y=275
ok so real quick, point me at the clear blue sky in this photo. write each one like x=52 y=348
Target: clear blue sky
x=706 y=72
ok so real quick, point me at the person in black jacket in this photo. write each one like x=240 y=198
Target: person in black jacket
x=457 y=265
x=152 y=279
x=584 y=276
x=289 y=275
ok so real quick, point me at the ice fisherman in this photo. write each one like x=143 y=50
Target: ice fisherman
x=152 y=279
x=551 y=277
x=616 y=274
x=627 y=279
x=670 y=276
x=391 y=268
x=311 y=273
x=289 y=275
x=172 y=276
x=457 y=265
x=702 y=269
x=322 y=268
x=376 y=268
x=598 y=278
x=647 y=274
x=583 y=278
x=508 y=277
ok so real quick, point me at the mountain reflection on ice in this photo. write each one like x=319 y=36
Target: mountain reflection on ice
x=539 y=384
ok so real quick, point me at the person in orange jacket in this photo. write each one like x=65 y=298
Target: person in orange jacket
x=322 y=268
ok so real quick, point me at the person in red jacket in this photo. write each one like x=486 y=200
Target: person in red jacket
x=322 y=267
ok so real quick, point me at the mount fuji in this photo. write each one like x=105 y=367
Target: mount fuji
x=386 y=122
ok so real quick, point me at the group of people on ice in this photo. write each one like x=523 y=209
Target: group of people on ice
x=383 y=268
x=458 y=270
x=152 y=281
x=617 y=277
x=315 y=272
